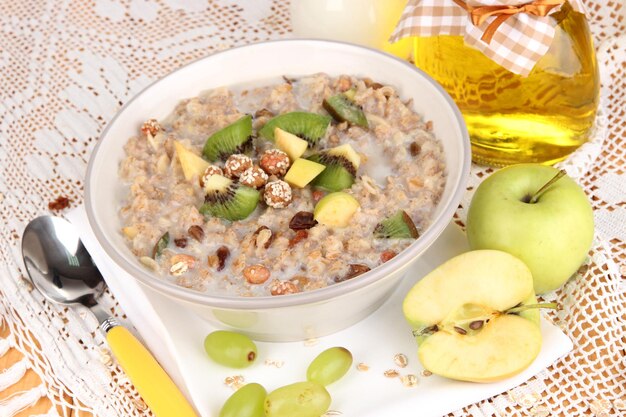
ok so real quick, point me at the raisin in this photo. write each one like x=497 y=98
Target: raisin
x=302 y=220
x=414 y=148
x=181 y=242
x=222 y=255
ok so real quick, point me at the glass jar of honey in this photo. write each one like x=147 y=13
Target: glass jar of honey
x=542 y=117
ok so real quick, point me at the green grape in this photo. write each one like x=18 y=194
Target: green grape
x=247 y=401
x=329 y=366
x=230 y=348
x=302 y=399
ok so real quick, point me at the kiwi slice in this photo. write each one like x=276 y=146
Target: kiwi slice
x=338 y=175
x=397 y=226
x=234 y=138
x=308 y=126
x=343 y=109
x=228 y=200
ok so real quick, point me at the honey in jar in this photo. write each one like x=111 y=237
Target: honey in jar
x=511 y=118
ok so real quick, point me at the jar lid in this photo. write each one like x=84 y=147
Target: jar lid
x=513 y=33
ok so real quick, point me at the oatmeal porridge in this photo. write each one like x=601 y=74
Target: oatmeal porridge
x=288 y=187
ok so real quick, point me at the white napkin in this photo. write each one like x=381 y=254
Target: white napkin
x=174 y=335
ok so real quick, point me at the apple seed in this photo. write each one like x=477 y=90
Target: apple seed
x=477 y=324
x=460 y=330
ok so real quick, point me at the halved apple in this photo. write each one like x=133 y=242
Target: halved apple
x=192 y=164
x=475 y=317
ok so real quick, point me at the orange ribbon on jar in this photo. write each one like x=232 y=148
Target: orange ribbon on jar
x=481 y=13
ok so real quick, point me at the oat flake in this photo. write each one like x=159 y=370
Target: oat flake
x=391 y=373
x=401 y=360
x=275 y=363
x=528 y=400
x=409 y=381
x=426 y=373
x=140 y=404
x=362 y=367
x=539 y=411
x=619 y=404
x=311 y=342
x=331 y=413
x=235 y=382
x=600 y=407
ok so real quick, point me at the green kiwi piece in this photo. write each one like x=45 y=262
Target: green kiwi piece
x=338 y=175
x=228 y=200
x=160 y=245
x=308 y=126
x=344 y=109
x=234 y=138
x=397 y=226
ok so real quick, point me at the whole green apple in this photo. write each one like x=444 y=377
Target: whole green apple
x=537 y=214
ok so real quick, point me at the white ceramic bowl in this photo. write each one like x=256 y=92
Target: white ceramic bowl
x=309 y=314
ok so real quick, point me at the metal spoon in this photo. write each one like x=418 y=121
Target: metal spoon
x=60 y=267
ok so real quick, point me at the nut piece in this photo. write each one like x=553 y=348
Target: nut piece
x=196 y=232
x=263 y=237
x=387 y=255
x=256 y=274
x=254 y=177
x=302 y=220
x=222 y=256
x=278 y=287
x=274 y=162
x=211 y=170
x=236 y=164
x=151 y=126
x=300 y=235
x=277 y=194
x=181 y=263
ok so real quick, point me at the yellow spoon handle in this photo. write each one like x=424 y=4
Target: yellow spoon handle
x=155 y=386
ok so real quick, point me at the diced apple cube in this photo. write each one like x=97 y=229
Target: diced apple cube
x=302 y=172
x=192 y=164
x=290 y=143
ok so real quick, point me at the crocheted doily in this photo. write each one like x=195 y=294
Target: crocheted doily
x=67 y=66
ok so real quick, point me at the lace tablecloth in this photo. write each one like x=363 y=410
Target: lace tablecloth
x=67 y=66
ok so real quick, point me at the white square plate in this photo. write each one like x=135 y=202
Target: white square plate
x=175 y=335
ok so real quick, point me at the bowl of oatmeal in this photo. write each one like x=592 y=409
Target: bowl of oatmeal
x=281 y=188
